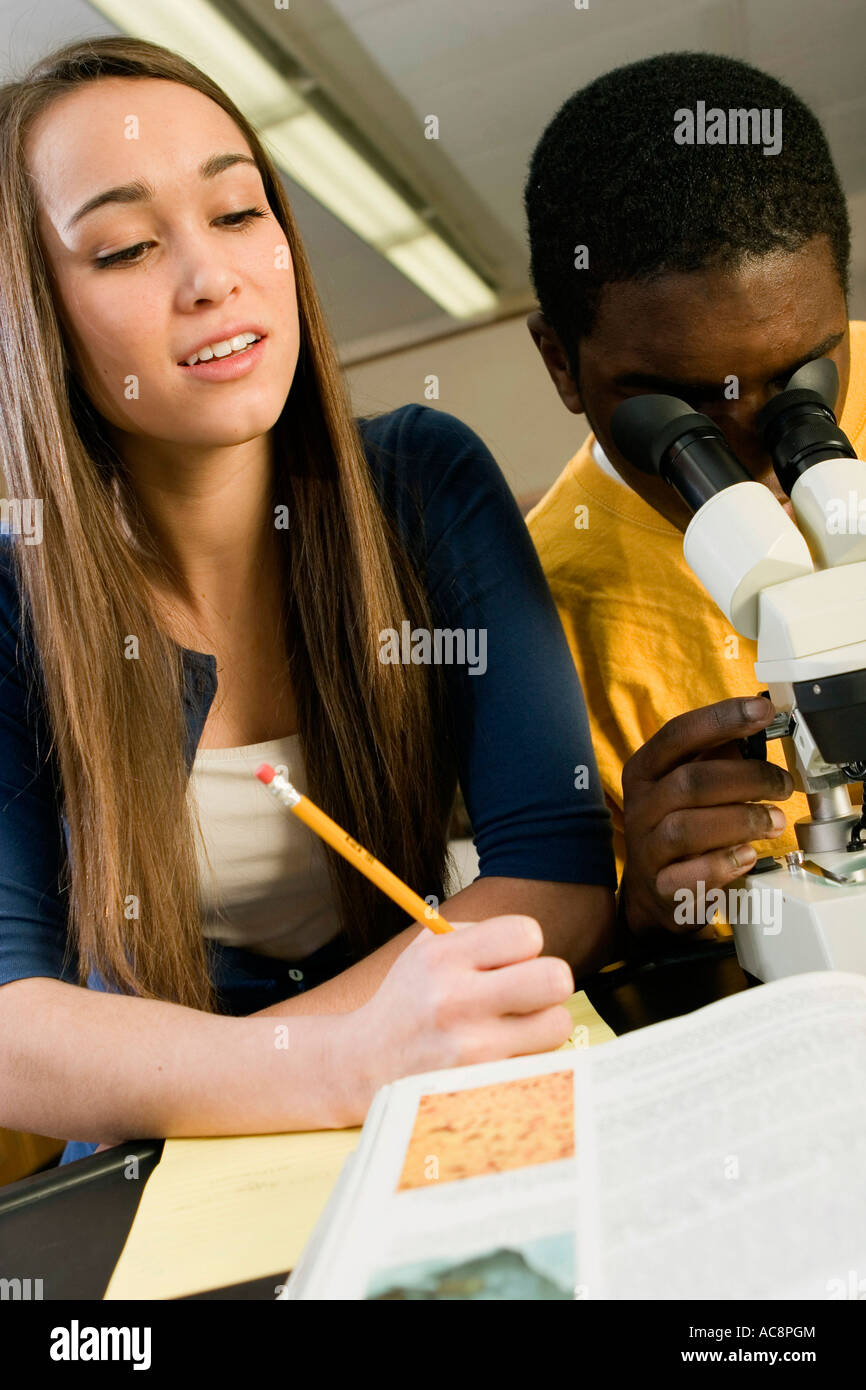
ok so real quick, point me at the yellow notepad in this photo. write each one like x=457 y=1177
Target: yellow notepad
x=222 y=1211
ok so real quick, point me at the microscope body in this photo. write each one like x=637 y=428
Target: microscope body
x=799 y=590
x=808 y=911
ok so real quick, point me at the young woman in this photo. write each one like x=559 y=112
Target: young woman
x=222 y=553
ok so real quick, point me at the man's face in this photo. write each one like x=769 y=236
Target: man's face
x=688 y=334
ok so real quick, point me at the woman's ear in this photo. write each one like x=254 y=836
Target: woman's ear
x=555 y=359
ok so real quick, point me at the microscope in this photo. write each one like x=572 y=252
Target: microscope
x=800 y=592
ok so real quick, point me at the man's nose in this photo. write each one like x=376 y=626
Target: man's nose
x=738 y=422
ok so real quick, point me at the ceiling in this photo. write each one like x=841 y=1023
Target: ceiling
x=494 y=74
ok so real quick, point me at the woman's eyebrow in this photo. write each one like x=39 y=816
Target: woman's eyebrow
x=139 y=191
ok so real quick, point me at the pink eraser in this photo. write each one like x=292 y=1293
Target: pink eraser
x=265 y=773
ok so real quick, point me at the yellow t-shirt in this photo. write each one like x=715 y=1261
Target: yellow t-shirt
x=648 y=641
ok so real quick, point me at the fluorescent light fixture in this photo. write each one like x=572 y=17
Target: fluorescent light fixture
x=429 y=261
x=321 y=161
x=317 y=157
x=307 y=147
x=197 y=31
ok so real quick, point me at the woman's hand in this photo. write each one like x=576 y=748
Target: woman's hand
x=476 y=994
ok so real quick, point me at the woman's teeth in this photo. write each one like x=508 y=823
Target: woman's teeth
x=239 y=343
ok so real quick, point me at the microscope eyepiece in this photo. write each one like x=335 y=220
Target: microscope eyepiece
x=662 y=435
x=799 y=427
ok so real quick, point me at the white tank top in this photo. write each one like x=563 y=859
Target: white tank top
x=264 y=883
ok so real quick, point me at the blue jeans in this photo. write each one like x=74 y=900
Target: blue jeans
x=246 y=982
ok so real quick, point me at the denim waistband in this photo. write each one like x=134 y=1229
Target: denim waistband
x=245 y=981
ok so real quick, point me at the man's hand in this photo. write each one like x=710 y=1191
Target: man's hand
x=691 y=805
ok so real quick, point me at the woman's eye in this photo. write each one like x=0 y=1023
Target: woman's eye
x=119 y=257
x=247 y=215
x=129 y=257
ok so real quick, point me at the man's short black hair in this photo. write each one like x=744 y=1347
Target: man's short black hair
x=607 y=174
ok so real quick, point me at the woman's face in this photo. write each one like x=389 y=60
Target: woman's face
x=142 y=282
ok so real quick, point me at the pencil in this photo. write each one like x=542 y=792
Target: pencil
x=281 y=788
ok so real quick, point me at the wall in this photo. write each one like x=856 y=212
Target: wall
x=494 y=379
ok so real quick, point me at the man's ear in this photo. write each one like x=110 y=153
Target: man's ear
x=555 y=359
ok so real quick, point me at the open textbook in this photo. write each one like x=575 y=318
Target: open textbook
x=720 y=1155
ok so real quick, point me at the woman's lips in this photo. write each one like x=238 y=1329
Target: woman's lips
x=237 y=364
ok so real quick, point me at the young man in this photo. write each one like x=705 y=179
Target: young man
x=675 y=255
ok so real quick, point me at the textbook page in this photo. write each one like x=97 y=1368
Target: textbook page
x=720 y=1155
x=340 y=1204
x=311 y=1277
x=466 y=1188
x=724 y=1153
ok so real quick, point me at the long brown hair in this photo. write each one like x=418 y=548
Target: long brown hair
x=368 y=729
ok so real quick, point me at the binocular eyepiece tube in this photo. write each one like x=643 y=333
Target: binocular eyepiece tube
x=664 y=436
x=741 y=544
